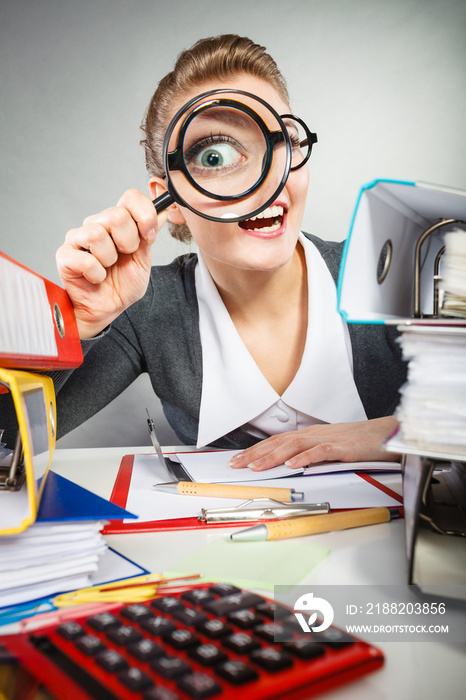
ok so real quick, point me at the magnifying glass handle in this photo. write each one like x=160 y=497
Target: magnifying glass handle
x=162 y=202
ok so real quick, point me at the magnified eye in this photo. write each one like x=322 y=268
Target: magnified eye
x=215 y=157
x=213 y=153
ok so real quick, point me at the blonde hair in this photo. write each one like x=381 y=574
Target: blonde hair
x=215 y=58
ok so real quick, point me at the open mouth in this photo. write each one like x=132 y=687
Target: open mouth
x=268 y=221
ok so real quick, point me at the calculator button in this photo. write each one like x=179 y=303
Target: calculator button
x=236 y=601
x=189 y=616
x=273 y=611
x=244 y=618
x=136 y=612
x=214 y=629
x=70 y=630
x=111 y=660
x=124 y=635
x=170 y=667
x=207 y=654
x=181 y=639
x=135 y=679
x=271 y=659
x=333 y=638
x=158 y=625
x=292 y=624
x=198 y=596
x=236 y=672
x=167 y=604
x=103 y=621
x=268 y=631
x=145 y=650
x=305 y=648
x=199 y=685
x=90 y=645
x=223 y=589
x=241 y=642
x=160 y=693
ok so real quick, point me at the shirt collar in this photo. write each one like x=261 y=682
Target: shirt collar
x=234 y=391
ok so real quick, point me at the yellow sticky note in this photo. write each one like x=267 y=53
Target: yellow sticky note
x=252 y=564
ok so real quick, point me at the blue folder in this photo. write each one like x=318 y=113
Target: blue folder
x=62 y=499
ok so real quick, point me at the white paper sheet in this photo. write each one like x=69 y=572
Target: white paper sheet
x=345 y=490
x=111 y=566
x=213 y=468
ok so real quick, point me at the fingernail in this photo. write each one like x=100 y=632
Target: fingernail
x=290 y=462
x=257 y=463
x=151 y=235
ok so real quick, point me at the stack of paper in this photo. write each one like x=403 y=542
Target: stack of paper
x=48 y=558
x=432 y=411
x=453 y=282
x=62 y=549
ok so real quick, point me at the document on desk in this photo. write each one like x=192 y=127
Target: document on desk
x=213 y=468
x=134 y=491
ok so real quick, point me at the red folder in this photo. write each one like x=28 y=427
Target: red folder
x=120 y=493
x=38 y=327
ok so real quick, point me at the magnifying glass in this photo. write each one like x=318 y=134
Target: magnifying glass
x=227 y=155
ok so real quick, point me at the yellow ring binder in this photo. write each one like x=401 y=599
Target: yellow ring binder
x=33 y=397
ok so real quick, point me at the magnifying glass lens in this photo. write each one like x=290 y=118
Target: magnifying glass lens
x=228 y=156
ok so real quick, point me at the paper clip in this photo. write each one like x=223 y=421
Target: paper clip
x=132 y=590
x=269 y=510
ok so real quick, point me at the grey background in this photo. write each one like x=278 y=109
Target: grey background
x=382 y=83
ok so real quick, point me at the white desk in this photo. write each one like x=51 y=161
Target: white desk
x=369 y=555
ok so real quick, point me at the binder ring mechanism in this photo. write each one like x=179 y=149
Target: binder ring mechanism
x=33 y=400
x=417 y=313
x=262 y=509
x=385 y=261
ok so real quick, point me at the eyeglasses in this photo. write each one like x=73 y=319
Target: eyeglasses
x=302 y=139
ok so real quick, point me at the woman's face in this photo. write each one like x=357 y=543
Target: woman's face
x=268 y=241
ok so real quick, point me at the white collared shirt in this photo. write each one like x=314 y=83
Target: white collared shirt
x=236 y=394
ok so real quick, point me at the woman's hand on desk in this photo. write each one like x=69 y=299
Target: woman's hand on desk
x=105 y=264
x=339 y=442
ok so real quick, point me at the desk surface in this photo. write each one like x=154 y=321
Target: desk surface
x=370 y=555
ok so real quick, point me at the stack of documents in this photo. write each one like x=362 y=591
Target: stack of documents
x=62 y=549
x=48 y=558
x=432 y=411
x=453 y=282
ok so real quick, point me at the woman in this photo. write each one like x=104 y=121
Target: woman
x=242 y=341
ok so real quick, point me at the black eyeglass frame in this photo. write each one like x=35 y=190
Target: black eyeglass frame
x=311 y=139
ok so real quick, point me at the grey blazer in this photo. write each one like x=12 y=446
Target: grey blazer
x=160 y=335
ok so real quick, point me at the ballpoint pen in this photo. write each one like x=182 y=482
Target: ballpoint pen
x=192 y=488
x=261 y=509
x=316 y=524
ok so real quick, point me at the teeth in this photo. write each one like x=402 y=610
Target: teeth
x=270 y=212
x=267 y=229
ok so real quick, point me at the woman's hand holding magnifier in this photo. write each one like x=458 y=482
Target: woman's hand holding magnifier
x=105 y=264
